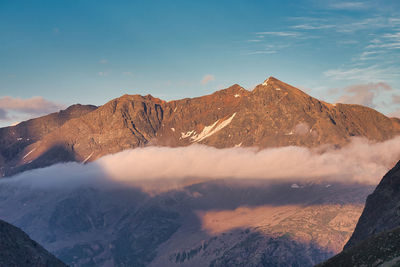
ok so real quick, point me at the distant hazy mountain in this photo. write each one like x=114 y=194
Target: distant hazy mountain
x=273 y=114
x=17 y=249
x=376 y=239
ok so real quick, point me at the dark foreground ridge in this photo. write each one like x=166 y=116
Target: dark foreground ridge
x=382 y=210
x=376 y=238
x=17 y=249
x=382 y=249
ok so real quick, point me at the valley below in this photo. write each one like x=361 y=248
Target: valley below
x=216 y=223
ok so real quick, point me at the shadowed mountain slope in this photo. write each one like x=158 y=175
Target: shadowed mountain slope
x=17 y=249
x=382 y=209
x=376 y=238
x=382 y=249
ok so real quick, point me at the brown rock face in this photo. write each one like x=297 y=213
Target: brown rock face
x=15 y=139
x=273 y=114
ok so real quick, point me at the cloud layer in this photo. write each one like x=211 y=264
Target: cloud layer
x=157 y=168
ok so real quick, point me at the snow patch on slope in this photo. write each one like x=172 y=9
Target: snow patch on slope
x=87 y=158
x=212 y=129
x=187 y=134
x=29 y=153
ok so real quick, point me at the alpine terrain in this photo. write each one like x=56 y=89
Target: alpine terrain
x=273 y=114
x=199 y=221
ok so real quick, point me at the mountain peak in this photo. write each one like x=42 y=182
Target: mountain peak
x=270 y=79
x=275 y=85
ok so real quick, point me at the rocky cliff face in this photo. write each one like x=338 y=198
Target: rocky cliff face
x=377 y=250
x=375 y=240
x=17 y=249
x=273 y=114
x=382 y=209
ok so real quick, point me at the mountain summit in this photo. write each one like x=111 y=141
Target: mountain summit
x=273 y=114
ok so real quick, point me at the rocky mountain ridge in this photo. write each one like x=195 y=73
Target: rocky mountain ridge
x=273 y=114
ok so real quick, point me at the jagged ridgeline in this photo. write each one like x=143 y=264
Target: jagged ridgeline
x=272 y=114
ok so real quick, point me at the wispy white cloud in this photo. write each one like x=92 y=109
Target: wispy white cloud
x=207 y=78
x=280 y=33
x=372 y=73
x=392 y=45
x=258 y=52
x=313 y=26
x=103 y=61
x=368 y=55
x=387 y=41
x=347 y=5
x=267 y=49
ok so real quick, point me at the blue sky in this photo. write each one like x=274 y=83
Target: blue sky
x=65 y=52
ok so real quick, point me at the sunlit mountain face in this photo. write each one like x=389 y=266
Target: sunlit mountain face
x=224 y=133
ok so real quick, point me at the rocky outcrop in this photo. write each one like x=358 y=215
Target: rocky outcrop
x=375 y=240
x=273 y=114
x=17 y=249
x=382 y=209
x=14 y=140
x=377 y=250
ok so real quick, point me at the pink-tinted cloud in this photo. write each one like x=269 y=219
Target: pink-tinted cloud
x=396 y=99
x=35 y=105
x=363 y=94
x=207 y=78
